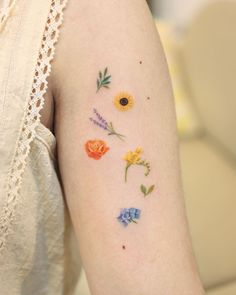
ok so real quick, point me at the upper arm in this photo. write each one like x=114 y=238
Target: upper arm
x=121 y=36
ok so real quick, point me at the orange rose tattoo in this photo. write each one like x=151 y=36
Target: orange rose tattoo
x=96 y=148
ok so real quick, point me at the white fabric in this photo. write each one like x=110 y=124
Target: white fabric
x=38 y=251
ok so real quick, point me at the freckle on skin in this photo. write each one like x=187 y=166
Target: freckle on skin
x=140 y=62
x=123 y=247
x=148 y=97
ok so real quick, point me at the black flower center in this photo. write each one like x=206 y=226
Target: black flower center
x=124 y=101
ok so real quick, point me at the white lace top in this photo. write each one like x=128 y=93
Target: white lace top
x=37 y=244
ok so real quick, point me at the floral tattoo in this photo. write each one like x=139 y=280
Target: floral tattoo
x=133 y=158
x=103 y=80
x=129 y=215
x=96 y=148
x=123 y=101
x=146 y=191
x=102 y=123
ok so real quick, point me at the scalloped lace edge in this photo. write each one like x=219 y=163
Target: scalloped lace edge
x=32 y=115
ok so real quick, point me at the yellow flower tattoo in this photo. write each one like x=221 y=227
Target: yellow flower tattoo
x=123 y=101
x=134 y=158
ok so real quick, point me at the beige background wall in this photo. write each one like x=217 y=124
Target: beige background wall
x=179 y=11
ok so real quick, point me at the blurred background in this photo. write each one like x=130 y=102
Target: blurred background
x=199 y=39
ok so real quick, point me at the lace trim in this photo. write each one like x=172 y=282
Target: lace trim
x=6 y=11
x=32 y=115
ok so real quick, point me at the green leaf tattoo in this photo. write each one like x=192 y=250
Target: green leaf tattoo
x=143 y=189
x=103 y=80
x=146 y=191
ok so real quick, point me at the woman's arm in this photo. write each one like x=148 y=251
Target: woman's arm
x=118 y=149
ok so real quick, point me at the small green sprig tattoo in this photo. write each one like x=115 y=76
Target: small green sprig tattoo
x=103 y=80
x=146 y=191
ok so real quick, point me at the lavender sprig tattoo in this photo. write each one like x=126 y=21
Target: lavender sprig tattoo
x=103 y=80
x=102 y=123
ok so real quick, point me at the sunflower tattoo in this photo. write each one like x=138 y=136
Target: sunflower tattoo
x=123 y=101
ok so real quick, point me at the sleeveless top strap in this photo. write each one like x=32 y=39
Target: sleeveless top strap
x=27 y=46
x=5 y=11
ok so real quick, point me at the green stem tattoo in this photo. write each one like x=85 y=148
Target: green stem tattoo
x=126 y=171
x=142 y=163
x=145 y=164
x=112 y=131
x=103 y=80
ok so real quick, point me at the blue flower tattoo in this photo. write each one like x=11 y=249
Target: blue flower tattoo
x=128 y=215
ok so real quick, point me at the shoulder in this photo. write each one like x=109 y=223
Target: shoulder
x=97 y=21
x=96 y=30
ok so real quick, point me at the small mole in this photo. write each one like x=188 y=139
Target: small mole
x=123 y=247
x=140 y=62
x=148 y=97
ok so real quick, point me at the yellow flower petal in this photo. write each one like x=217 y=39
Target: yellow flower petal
x=133 y=157
x=123 y=101
x=139 y=150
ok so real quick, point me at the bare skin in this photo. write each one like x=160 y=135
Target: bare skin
x=155 y=255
